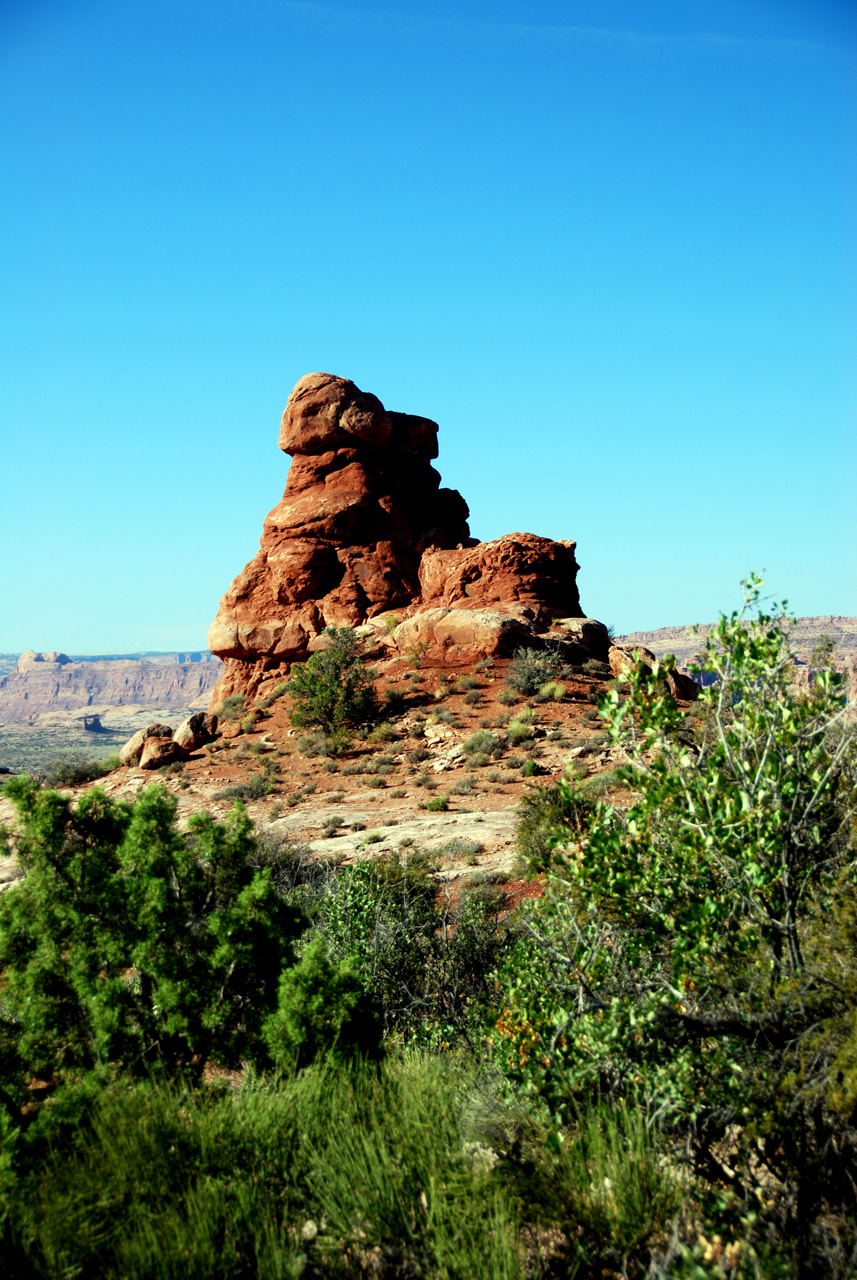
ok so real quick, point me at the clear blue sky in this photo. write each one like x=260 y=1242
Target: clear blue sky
x=609 y=246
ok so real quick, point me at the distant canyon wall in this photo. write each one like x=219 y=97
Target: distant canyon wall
x=805 y=634
x=52 y=682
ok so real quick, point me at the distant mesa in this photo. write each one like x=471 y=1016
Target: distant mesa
x=366 y=536
x=49 y=682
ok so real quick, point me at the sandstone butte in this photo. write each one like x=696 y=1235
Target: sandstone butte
x=365 y=536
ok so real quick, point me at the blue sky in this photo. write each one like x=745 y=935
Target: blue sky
x=609 y=247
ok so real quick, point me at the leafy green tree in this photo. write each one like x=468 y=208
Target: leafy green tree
x=333 y=690
x=697 y=948
x=424 y=959
x=132 y=944
x=322 y=1012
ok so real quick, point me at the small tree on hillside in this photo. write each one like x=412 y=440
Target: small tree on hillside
x=333 y=690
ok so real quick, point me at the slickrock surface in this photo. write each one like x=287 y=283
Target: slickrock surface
x=52 y=682
x=364 y=529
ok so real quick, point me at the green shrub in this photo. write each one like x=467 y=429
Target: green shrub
x=421 y=1200
x=254 y=787
x=459 y=847
x=322 y=1012
x=394 y=701
x=531 y=668
x=416 y=656
x=439 y=804
x=473 y=698
x=508 y=697
x=552 y=691
x=592 y=667
x=74 y=768
x=312 y=744
x=613 y=1182
x=483 y=742
x=276 y=693
x=464 y=682
x=340 y=1163
x=426 y=957
x=130 y=943
x=443 y=715
x=519 y=732
x=548 y=812
x=296 y=874
x=383 y=732
x=332 y=690
x=599 y=785
x=530 y=769
x=418 y=755
x=686 y=943
x=233 y=707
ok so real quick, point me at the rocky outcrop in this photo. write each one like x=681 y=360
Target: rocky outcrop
x=51 y=682
x=32 y=659
x=132 y=751
x=196 y=731
x=624 y=658
x=157 y=745
x=160 y=751
x=362 y=504
x=364 y=529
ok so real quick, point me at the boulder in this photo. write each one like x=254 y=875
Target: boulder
x=196 y=731
x=682 y=686
x=478 y=632
x=589 y=635
x=622 y=660
x=133 y=749
x=160 y=751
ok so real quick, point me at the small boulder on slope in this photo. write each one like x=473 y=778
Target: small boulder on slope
x=133 y=749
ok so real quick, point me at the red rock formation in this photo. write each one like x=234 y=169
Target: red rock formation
x=519 y=567
x=364 y=528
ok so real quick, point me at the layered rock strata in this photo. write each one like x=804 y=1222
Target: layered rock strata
x=365 y=530
x=44 y=682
